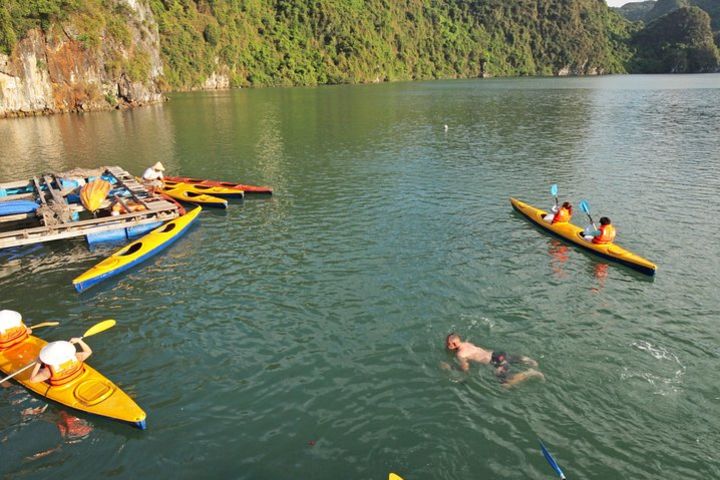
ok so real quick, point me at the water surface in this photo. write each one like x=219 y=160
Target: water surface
x=301 y=336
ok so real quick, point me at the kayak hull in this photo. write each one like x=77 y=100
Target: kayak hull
x=253 y=189
x=179 y=193
x=91 y=392
x=221 y=192
x=15 y=207
x=137 y=251
x=574 y=234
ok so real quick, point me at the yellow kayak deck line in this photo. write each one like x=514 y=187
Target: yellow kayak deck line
x=574 y=234
x=137 y=251
x=90 y=392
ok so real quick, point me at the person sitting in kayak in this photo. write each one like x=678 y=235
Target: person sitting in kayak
x=560 y=215
x=153 y=176
x=604 y=234
x=59 y=362
x=12 y=329
x=466 y=352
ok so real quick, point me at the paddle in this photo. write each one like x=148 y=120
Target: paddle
x=45 y=324
x=94 y=330
x=554 y=192
x=552 y=461
x=586 y=208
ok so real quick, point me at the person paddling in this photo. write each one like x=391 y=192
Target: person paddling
x=59 y=362
x=467 y=352
x=153 y=176
x=604 y=234
x=560 y=215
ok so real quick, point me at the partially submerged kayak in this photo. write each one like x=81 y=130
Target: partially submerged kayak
x=218 y=183
x=179 y=193
x=222 y=192
x=574 y=234
x=137 y=251
x=90 y=392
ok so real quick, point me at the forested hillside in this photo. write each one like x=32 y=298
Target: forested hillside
x=678 y=42
x=126 y=51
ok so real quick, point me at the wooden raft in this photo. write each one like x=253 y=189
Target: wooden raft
x=56 y=215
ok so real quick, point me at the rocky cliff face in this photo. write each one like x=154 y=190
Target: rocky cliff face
x=66 y=69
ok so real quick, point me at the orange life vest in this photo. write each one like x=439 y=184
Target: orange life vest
x=562 y=216
x=66 y=372
x=607 y=234
x=12 y=336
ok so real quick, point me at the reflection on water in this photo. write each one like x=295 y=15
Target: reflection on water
x=318 y=315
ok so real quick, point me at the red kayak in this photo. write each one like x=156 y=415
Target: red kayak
x=216 y=183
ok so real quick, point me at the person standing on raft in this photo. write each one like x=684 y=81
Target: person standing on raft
x=59 y=362
x=466 y=352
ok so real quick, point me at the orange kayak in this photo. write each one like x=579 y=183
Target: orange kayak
x=217 y=183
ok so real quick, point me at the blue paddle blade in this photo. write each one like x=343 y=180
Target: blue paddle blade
x=552 y=461
x=584 y=206
x=553 y=190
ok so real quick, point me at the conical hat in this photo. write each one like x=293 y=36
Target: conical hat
x=57 y=353
x=9 y=319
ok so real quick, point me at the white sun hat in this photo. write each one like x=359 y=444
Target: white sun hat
x=57 y=353
x=9 y=319
x=158 y=166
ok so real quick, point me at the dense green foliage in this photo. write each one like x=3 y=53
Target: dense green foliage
x=636 y=11
x=650 y=10
x=308 y=42
x=287 y=42
x=678 y=42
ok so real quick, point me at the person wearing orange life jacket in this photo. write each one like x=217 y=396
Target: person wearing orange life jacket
x=560 y=215
x=605 y=234
x=12 y=329
x=59 y=362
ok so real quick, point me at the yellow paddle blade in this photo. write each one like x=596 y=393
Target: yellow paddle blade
x=100 y=327
x=394 y=476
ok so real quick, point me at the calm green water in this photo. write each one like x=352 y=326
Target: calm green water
x=301 y=337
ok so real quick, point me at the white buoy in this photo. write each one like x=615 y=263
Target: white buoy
x=446 y=128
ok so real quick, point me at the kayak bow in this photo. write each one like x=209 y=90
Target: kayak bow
x=574 y=234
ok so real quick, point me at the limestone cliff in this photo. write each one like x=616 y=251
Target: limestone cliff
x=85 y=62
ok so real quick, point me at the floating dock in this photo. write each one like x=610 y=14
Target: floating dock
x=60 y=215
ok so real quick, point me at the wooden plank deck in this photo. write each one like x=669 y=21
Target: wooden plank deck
x=158 y=209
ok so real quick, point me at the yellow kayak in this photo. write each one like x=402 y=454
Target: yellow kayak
x=574 y=234
x=90 y=392
x=184 y=195
x=222 y=192
x=137 y=251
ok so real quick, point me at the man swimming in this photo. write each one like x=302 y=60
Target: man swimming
x=467 y=352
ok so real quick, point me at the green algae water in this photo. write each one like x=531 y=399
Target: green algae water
x=301 y=336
